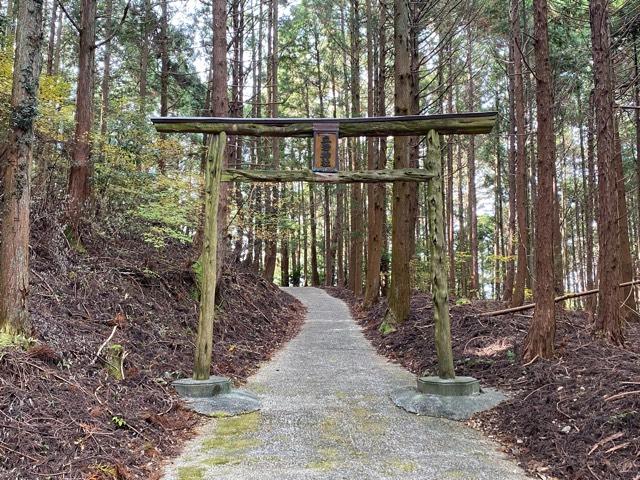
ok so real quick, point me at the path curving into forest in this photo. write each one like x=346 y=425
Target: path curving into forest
x=327 y=415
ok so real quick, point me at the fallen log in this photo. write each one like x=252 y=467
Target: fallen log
x=562 y=298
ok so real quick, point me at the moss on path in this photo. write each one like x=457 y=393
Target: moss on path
x=327 y=415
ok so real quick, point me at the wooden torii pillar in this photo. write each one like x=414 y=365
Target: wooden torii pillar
x=416 y=125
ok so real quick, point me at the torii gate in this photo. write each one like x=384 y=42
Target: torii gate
x=326 y=132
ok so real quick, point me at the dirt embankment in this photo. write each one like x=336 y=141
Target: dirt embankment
x=62 y=415
x=576 y=417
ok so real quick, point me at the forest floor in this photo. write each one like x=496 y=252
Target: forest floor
x=576 y=417
x=62 y=415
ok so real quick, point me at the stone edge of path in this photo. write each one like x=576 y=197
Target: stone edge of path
x=236 y=402
x=454 y=408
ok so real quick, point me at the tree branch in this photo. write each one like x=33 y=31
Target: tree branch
x=66 y=14
x=117 y=29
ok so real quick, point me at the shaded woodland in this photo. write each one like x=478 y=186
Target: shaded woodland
x=565 y=143
x=544 y=207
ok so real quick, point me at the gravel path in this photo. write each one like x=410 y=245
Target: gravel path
x=327 y=415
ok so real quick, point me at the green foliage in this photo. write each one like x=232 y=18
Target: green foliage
x=296 y=275
x=114 y=359
x=6 y=83
x=420 y=274
x=474 y=361
x=386 y=328
x=54 y=113
x=191 y=473
x=10 y=340
x=110 y=471
x=623 y=419
x=199 y=274
x=159 y=207
x=55 y=110
x=119 y=422
x=75 y=243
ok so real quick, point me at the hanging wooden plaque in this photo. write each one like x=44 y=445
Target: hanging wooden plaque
x=325 y=147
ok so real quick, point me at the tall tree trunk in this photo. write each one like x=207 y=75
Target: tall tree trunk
x=328 y=253
x=16 y=171
x=305 y=240
x=558 y=264
x=521 y=160
x=471 y=170
x=252 y=204
x=402 y=228
x=79 y=174
x=509 y=278
x=339 y=232
x=414 y=109
x=626 y=263
x=539 y=341
x=499 y=224
x=299 y=273
x=58 y=46
x=106 y=71
x=164 y=71
x=315 y=275
x=164 y=58
x=357 y=234
x=576 y=235
x=284 y=258
x=342 y=217
x=450 y=173
x=636 y=96
x=220 y=108
x=333 y=244
x=591 y=201
x=144 y=55
x=609 y=321
x=53 y=18
x=530 y=157
x=237 y=102
x=462 y=232
x=271 y=244
x=375 y=192
x=9 y=23
x=328 y=244
x=260 y=191
x=587 y=189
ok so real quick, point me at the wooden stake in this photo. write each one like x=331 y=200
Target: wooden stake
x=440 y=290
x=204 y=342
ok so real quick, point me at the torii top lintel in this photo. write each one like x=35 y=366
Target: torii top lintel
x=451 y=123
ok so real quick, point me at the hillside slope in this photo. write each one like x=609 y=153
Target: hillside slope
x=62 y=413
x=574 y=417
